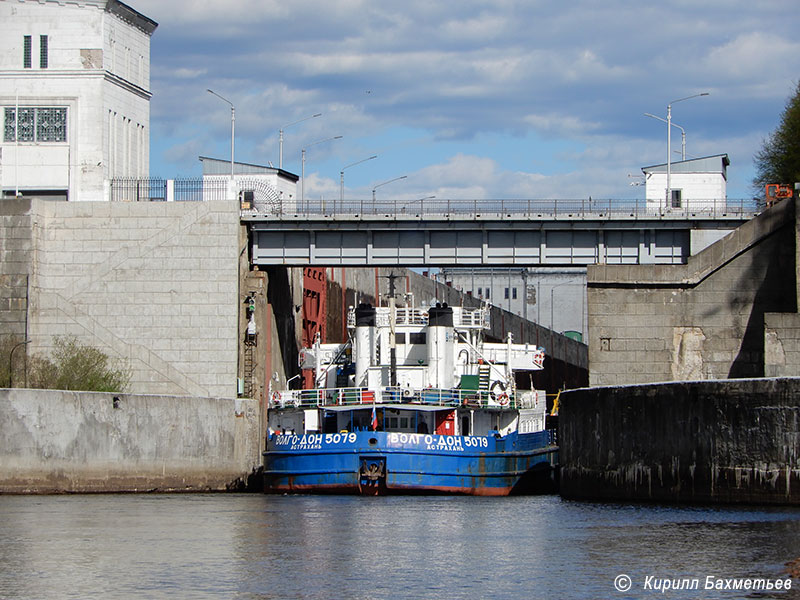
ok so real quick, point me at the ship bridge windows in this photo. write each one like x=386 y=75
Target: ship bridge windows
x=417 y=338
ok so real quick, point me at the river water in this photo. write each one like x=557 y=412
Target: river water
x=252 y=546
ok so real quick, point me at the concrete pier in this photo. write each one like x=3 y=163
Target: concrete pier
x=64 y=442
x=720 y=441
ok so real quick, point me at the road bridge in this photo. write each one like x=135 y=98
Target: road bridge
x=502 y=233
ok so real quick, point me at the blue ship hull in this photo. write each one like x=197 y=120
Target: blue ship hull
x=376 y=463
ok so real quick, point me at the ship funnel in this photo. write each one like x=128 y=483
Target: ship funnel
x=364 y=342
x=441 y=346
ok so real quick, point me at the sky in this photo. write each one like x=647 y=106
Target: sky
x=472 y=99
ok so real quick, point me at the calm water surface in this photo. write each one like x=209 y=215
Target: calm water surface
x=263 y=547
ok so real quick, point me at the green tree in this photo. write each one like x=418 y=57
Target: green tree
x=74 y=366
x=778 y=161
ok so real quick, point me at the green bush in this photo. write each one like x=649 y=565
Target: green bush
x=74 y=366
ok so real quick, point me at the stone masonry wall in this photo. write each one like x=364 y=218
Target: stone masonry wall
x=702 y=320
x=782 y=330
x=781 y=344
x=16 y=254
x=155 y=284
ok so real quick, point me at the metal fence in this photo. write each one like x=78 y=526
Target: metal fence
x=138 y=190
x=194 y=189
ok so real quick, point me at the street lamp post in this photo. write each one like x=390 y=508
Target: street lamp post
x=303 y=165
x=11 y=362
x=669 y=143
x=384 y=183
x=233 y=122
x=683 y=134
x=341 y=176
x=280 y=137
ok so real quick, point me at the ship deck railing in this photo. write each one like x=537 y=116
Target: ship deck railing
x=364 y=397
x=463 y=318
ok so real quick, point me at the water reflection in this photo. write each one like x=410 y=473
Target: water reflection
x=263 y=547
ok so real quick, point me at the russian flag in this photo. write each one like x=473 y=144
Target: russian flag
x=374 y=423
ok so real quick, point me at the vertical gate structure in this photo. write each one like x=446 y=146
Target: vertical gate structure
x=315 y=295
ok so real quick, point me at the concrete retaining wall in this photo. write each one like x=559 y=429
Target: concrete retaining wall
x=702 y=320
x=55 y=442
x=711 y=441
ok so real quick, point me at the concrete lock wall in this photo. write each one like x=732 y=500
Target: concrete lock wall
x=56 y=441
x=153 y=283
x=710 y=441
x=731 y=311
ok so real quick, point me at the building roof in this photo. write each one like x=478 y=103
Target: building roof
x=216 y=166
x=132 y=16
x=120 y=9
x=717 y=163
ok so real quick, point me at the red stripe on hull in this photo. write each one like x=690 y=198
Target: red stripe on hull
x=389 y=490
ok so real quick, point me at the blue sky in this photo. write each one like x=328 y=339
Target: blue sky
x=469 y=99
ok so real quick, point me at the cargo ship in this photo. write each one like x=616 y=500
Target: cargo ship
x=415 y=402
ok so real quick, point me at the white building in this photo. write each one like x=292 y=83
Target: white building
x=75 y=96
x=697 y=185
x=259 y=188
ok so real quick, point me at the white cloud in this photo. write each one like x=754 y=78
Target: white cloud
x=753 y=56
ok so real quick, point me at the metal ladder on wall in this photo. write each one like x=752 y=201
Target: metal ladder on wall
x=249 y=367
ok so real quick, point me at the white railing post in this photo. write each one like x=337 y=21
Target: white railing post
x=170 y=190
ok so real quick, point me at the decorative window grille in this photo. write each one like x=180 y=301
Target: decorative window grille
x=35 y=125
x=26 y=53
x=42 y=51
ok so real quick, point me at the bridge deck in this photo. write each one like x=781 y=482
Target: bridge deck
x=488 y=232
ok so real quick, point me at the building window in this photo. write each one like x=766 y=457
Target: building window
x=42 y=51
x=35 y=125
x=506 y=294
x=676 y=198
x=514 y=294
x=26 y=53
x=488 y=295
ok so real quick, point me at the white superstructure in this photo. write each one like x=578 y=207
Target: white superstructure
x=75 y=96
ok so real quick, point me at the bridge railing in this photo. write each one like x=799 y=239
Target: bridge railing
x=262 y=200
x=531 y=208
